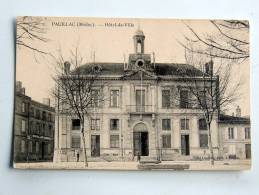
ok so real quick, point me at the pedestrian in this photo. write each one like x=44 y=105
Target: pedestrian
x=77 y=156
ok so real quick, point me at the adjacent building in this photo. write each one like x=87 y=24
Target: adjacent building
x=33 y=128
x=235 y=136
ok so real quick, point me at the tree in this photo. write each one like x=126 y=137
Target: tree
x=210 y=90
x=229 y=40
x=30 y=31
x=77 y=91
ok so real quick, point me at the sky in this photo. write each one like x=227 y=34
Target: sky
x=110 y=43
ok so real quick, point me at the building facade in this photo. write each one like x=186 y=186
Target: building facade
x=33 y=128
x=146 y=114
x=235 y=136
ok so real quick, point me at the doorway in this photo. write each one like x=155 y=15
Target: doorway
x=140 y=143
x=43 y=150
x=185 y=146
x=248 y=151
x=95 y=145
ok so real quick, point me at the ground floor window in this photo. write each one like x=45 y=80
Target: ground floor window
x=22 y=146
x=37 y=147
x=75 y=142
x=166 y=141
x=203 y=140
x=114 y=141
x=30 y=146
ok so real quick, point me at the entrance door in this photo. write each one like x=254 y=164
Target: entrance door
x=248 y=151
x=95 y=145
x=140 y=143
x=185 y=146
x=43 y=148
x=140 y=100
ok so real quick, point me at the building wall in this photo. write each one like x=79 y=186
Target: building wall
x=32 y=143
x=128 y=119
x=236 y=147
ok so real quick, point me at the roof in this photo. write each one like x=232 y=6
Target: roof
x=227 y=119
x=161 y=69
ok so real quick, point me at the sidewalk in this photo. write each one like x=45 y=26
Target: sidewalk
x=193 y=165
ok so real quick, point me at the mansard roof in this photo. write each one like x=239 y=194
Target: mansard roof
x=227 y=119
x=161 y=69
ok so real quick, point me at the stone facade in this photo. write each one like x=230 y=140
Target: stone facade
x=33 y=128
x=235 y=137
x=147 y=124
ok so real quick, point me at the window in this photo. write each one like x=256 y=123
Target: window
x=49 y=148
x=184 y=124
x=140 y=100
x=50 y=131
x=166 y=141
x=114 y=124
x=37 y=147
x=231 y=133
x=23 y=107
x=30 y=146
x=44 y=116
x=75 y=124
x=22 y=146
x=95 y=124
x=95 y=98
x=184 y=100
x=166 y=124
x=203 y=140
x=23 y=125
x=37 y=114
x=247 y=133
x=44 y=132
x=49 y=117
x=165 y=98
x=32 y=112
x=114 y=98
x=75 y=142
x=202 y=124
x=114 y=141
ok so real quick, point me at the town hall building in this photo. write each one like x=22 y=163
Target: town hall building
x=147 y=115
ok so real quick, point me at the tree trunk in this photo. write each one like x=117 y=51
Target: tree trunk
x=210 y=146
x=84 y=145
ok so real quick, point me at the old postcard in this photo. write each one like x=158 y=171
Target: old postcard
x=132 y=94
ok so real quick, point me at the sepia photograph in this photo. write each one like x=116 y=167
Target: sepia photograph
x=132 y=94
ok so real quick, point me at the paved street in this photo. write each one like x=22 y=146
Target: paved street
x=193 y=165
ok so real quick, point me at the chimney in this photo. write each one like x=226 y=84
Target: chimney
x=22 y=91
x=46 y=101
x=209 y=68
x=66 y=67
x=18 y=86
x=238 y=111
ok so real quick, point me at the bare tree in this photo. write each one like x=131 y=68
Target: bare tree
x=209 y=90
x=229 y=40
x=30 y=31
x=78 y=91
